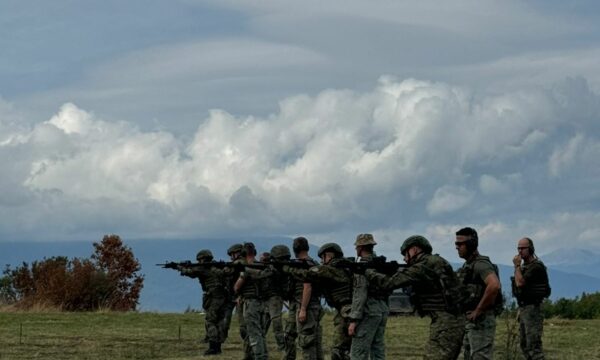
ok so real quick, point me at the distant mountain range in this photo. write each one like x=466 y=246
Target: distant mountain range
x=577 y=261
x=166 y=291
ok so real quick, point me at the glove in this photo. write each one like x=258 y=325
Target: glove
x=369 y=273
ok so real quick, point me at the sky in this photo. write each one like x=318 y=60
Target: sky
x=206 y=119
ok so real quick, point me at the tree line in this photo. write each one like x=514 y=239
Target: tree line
x=108 y=279
x=586 y=306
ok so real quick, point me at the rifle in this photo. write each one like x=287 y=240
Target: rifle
x=378 y=264
x=189 y=265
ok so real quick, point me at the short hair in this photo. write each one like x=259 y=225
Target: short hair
x=300 y=244
x=473 y=242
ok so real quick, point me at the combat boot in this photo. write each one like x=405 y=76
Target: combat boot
x=214 y=348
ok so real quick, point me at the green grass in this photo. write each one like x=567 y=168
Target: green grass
x=106 y=335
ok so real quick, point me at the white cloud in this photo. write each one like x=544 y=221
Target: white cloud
x=377 y=161
x=488 y=184
x=449 y=199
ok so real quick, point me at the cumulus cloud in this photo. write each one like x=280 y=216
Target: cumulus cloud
x=448 y=198
x=408 y=154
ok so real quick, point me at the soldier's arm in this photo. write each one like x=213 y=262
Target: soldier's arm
x=519 y=278
x=239 y=283
x=189 y=272
x=306 y=294
x=359 y=297
x=300 y=274
x=492 y=287
x=398 y=280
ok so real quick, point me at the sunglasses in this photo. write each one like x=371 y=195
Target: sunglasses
x=460 y=243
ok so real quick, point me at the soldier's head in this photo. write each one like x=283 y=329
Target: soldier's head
x=280 y=253
x=413 y=246
x=248 y=250
x=265 y=257
x=466 y=242
x=330 y=251
x=204 y=255
x=526 y=249
x=364 y=244
x=300 y=245
x=235 y=251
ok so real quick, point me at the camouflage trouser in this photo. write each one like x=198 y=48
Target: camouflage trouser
x=226 y=320
x=310 y=334
x=369 y=337
x=273 y=308
x=340 y=345
x=214 y=309
x=253 y=317
x=479 y=337
x=239 y=310
x=445 y=336
x=531 y=327
x=290 y=332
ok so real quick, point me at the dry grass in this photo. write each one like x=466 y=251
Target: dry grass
x=105 y=335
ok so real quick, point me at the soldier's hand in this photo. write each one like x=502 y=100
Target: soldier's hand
x=302 y=316
x=370 y=273
x=517 y=260
x=473 y=315
x=352 y=329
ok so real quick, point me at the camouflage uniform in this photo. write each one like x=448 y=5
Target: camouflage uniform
x=479 y=334
x=273 y=292
x=239 y=310
x=214 y=294
x=231 y=276
x=253 y=309
x=370 y=310
x=336 y=284
x=529 y=298
x=433 y=283
x=308 y=333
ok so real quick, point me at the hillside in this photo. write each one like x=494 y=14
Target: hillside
x=164 y=290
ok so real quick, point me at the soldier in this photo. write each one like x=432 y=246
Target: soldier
x=305 y=313
x=248 y=288
x=214 y=297
x=274 y=292
x=234 y=252
x=436 y=293
x=530 y=287
x=480 y=277
x=369 y=309
x=336 y=283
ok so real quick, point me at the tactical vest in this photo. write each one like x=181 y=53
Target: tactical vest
x=299 y=287
x=337 y=294
x=475 y=287
x=212 y=282
x=268 y=287
x=532 y=293
x=251 y=289
x=441 y=290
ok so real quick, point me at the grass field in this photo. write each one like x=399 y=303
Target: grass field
x=177 y=336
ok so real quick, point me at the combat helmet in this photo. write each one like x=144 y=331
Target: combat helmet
x=280 y=252
x=364 y=239
x=235 y=248
x=331 y=247
x=204 y=254
x=416 y=240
